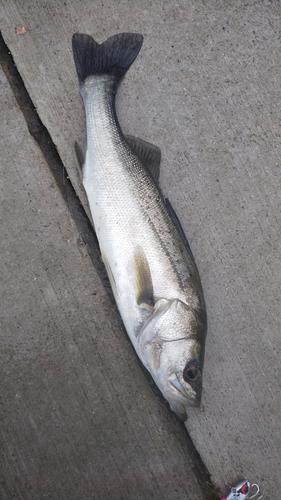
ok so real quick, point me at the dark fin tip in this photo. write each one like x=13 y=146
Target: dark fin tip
x=114 y=56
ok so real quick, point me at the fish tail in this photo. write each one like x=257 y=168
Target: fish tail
x=114 y=56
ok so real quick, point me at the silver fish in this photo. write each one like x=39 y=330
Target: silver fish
x=149 y=263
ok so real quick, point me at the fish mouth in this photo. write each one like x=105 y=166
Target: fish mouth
x=179 y=394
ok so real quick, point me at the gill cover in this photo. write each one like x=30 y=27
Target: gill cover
x=171 y=352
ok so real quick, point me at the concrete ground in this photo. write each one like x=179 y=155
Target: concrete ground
x=79 y=417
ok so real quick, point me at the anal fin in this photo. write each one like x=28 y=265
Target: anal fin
x=80 y=149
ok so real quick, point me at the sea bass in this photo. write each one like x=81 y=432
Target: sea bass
x=149 y=263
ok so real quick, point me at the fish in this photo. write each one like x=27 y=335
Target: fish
x=148 y=260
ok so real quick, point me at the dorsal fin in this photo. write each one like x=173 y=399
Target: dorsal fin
x=149 y=155
x=178 y=225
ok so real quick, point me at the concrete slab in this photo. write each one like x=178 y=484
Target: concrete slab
x=79 y=419
x=205 y=88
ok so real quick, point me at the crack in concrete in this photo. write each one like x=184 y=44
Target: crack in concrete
x=41 y=135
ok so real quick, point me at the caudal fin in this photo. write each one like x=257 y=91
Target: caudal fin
x=114 y=56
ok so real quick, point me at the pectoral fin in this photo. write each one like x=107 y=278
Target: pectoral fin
x=143 y=280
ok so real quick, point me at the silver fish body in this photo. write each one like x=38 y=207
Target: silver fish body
x=148 y=260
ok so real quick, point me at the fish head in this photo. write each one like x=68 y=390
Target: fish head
x=172 y=347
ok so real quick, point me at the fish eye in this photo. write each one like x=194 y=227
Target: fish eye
x=191 y=373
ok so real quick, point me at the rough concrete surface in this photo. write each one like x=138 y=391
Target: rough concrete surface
x=206 y=89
